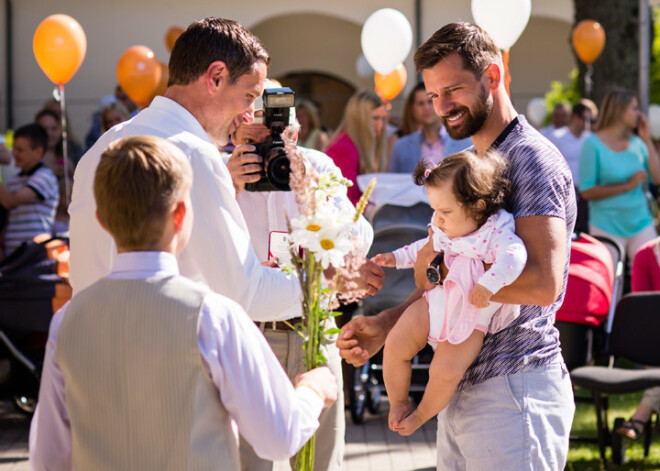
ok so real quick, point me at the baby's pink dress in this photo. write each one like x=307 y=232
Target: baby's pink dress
x=451 y=316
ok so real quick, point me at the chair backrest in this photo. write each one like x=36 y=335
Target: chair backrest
x=636 y=328
x=389 y=215
x=398 y=284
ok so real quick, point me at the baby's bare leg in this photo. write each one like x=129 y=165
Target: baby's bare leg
x=405 y=340
x=449 y=364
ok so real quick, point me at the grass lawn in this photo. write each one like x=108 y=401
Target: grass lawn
x=585 y=456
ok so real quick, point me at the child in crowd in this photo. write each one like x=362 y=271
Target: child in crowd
x=469 y=229
x=145 y=369
x=31 y=196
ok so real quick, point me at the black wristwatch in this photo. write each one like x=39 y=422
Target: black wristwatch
x=433 y=273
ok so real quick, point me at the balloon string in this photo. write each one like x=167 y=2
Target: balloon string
x=65 y=153
x=588 y=82
x=507 y=75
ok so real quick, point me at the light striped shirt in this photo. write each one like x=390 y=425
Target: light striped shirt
x=35 y=217
x=541 y=185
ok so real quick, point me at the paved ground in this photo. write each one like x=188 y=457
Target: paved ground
x=369 y=447
x=13 y=439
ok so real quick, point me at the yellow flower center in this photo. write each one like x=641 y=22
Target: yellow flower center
x=313 y=227
x=327 y=244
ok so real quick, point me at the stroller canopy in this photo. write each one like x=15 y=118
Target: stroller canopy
x=590 y=281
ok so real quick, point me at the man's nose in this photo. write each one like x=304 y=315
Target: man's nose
x=248 y=115
x=442 y=106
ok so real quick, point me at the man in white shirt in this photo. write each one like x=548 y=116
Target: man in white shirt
x=559 y=118
x=217 y=69
x=266 y=218
x=569 y=140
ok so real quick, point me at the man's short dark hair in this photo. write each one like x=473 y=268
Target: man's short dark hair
x=579 y=109
x=35 y=134
x=210 y=40
x=470 y=42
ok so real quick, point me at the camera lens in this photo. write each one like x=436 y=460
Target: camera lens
x=278 y=168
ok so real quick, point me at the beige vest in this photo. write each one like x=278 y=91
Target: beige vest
x=137 y=393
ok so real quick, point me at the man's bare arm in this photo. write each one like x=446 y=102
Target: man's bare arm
x=364 y=336
x=541 y=280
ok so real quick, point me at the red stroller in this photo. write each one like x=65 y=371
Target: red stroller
x=585 y=318
x=33 y=285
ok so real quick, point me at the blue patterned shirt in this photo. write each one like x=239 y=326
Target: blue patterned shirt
x=541 y=186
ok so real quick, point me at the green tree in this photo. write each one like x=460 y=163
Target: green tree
x=618 y=64
x=654 y=81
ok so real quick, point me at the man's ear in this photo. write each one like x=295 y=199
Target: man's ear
x=179 y=215
x=493 y=75
x=216 y=76
x=98 y=218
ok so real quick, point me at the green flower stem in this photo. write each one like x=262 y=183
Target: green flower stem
x=311 y=281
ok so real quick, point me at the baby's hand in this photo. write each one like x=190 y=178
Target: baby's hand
x=384 y=259
x=479 y=296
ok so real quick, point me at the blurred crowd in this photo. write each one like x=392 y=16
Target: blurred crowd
x=371 y=138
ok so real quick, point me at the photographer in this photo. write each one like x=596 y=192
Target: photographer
x=265 y=213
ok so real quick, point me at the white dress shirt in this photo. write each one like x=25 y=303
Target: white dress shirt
x=267 y=211
x=273 y=416
x=570 y=147
x=219 y=253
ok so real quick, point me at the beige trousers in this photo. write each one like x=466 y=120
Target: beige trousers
x=329 y=451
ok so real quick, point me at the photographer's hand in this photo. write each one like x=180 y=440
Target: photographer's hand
x=244 y=166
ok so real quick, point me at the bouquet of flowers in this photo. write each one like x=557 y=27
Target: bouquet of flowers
x=322 y=241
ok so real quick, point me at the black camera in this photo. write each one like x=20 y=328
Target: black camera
x=275 y=173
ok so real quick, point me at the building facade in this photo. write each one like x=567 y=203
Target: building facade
x=314 y=47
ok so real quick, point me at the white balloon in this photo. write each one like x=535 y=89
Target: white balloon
x=504 y=20
x=362 y=67
x=536 y=111
x=654 y=121
x=386 y=39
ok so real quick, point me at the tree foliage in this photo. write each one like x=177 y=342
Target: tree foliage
x=618 y=64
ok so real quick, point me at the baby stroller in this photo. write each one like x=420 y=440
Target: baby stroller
x=585 y=318
x=33 y=285
x=394 y=226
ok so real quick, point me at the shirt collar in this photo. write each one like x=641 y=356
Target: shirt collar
x=144 y=265
x=442 y=133
x=175 y=111
x=504 y=134
x=32 y=171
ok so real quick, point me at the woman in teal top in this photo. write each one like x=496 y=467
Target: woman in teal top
x=614 y=164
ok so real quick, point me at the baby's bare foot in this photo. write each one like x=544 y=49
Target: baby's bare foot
x=409 y=424
x=398 y=410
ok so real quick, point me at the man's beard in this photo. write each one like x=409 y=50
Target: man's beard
x=474 y=118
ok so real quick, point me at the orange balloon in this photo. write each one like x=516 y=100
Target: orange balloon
x=172 y=35
x=59 y=45
x=588 y=40
x=138 y=73
x=161 y=88
x=390 y=85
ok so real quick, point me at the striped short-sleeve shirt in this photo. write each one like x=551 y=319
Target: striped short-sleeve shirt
x=541 y=186
x=37 y=216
